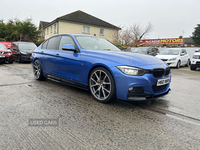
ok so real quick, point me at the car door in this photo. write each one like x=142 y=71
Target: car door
x=183 y=57
x=68 y=62
x=47 y=55
x=187 y=57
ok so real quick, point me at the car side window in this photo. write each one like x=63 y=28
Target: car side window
x=44 y=45
x=183 y=51
x=65 y=40
x=53 y=42
x=154 y=50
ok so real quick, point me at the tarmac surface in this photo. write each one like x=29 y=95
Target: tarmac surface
x=53 y=115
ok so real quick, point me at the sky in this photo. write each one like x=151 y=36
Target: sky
x=170 y=18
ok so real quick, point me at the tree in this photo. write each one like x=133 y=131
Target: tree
x=196 y=35
x=16 y=30
x=130 y=36
x=2 y=29
x=138 y=31
x=127 y=37
x=123 y=37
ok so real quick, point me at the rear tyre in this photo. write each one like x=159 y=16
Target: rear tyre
x=193 y=67
x=101 y=85
x=188 y=63
x=37 y=70
x=178 y=64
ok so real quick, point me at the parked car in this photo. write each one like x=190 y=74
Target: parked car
x=174 y=57
x=146 y=50
x=23 y=51
x=5 y=54
x=197 y=50
x=9 y=45
x=195 y=61
x=94 y=63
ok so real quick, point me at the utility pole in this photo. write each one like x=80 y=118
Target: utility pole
x=183 y=33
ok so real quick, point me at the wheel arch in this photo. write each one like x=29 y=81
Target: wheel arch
x=34 y=59
x=179 y=60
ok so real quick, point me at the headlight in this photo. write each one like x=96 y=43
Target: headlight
x=196 y=57
x=132 y=70
x=23 y=52
x=9 y=54
x=172 y=59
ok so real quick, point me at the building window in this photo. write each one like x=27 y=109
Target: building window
x=86 y=29
x=47 y=30
x=55 y=28
x=101 y=31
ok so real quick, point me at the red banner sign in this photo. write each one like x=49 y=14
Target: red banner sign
x=160 y=42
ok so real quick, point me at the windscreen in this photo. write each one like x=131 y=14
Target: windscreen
x=3 y=47
x=95 y=43
x=169 y=52
x=27 y=46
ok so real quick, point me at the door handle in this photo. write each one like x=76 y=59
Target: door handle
x=57 y=54
x=42 y=52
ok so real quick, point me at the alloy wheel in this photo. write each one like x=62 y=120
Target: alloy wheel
x=101 y=85
x=36 y=69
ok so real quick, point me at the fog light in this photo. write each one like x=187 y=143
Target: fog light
x=130 y=89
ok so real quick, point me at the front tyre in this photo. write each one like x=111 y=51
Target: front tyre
x=10 y=61
x=178 y=64
x=37 y=70
x=193 y=67
x=102 y=85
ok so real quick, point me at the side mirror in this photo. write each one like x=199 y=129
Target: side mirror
x=14 y=49
x=182 y=54
x=69 y=47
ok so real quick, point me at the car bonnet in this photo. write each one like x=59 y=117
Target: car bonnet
x=128 y=58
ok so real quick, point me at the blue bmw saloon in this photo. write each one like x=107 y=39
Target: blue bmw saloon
x=95 y=64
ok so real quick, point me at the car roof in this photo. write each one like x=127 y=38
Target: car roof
x=76 y=35
x=22 y=42
x=196 y=53
x=5 y=42
x=173 y=48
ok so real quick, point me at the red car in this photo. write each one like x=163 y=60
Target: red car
x=5 y=54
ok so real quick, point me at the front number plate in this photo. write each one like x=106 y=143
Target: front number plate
x=163 y=81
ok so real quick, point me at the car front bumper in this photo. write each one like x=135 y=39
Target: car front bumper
x=139 y=87
x=195 y=62
x=171 y=63
x=25 y=57
x=6 y=57
x=2 y=59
